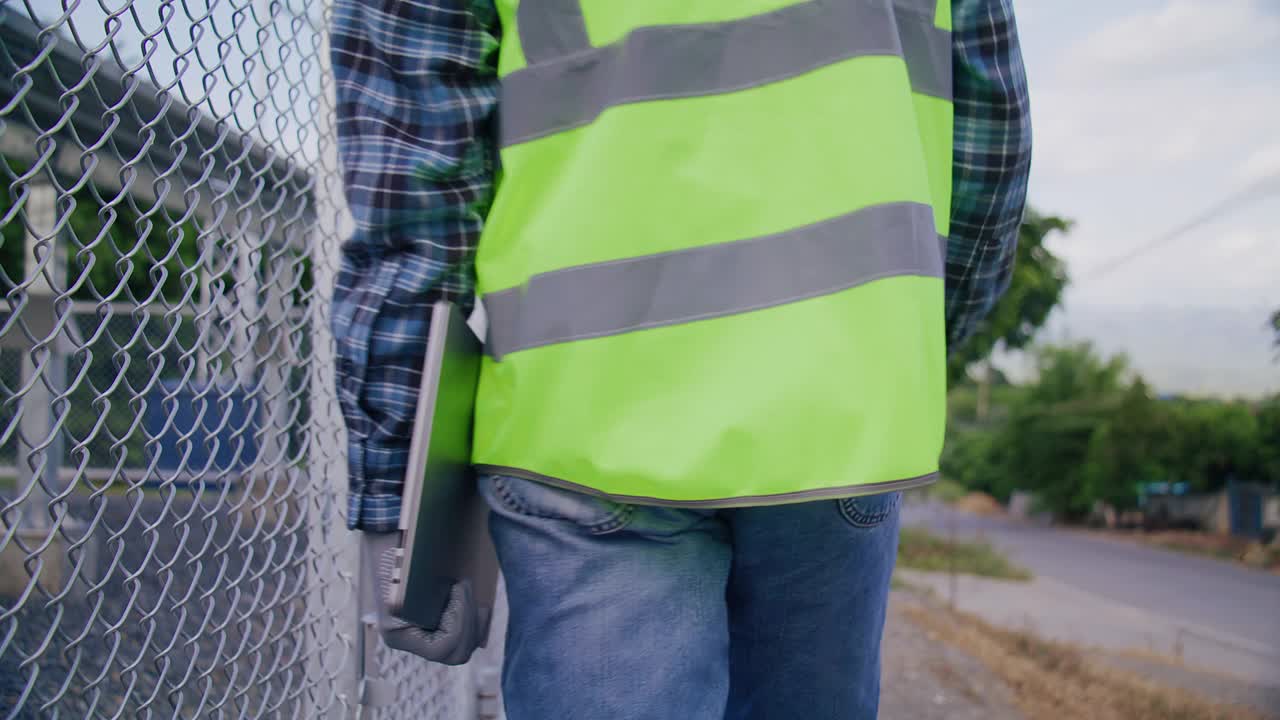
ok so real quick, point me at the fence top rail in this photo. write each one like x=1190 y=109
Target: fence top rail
x=157 y=126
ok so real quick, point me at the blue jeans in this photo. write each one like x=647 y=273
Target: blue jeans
x=630 y=612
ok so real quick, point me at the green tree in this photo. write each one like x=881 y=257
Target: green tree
x=1210 y=441
x=1275 y=327
x=1050 y=433
x=1035 y=289
x=1074 y=375
x=1088 y=430
x=979 y=461
x=1124 y=450
x=114 y=253
x=1268 y=416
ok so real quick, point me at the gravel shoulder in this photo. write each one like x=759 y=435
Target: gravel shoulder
x=927 y=679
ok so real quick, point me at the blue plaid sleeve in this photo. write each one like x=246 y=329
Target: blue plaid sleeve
x=992 y=160
x=416 y=88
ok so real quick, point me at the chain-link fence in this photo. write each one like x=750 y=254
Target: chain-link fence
x=171 y=454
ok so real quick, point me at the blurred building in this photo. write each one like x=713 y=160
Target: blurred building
x=173 y=256
x=1243 y=509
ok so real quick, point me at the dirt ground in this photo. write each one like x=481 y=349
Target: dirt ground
x=927 y=679
x=943 y=665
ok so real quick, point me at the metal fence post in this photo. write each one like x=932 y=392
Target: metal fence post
x=44 y=374
x=336 y=561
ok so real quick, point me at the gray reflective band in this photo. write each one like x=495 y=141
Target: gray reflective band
x=927 y=49
x=682 y=286
x=924 y=7
x=826 y=493
x=675 y=61
x=550 y=29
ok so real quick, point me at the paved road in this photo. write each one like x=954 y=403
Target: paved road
x=1236 y=608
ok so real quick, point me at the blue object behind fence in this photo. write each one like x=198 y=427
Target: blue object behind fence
x=1245 y=503
x=214 y=426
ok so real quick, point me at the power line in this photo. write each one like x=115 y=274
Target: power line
x=1230 y=202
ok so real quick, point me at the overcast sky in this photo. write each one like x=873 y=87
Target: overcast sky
x=1147 y=113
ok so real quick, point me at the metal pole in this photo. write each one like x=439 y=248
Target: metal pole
x=334 y=566
x=37 y=421
x=951 y=558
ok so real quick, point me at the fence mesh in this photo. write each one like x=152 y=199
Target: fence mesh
x=171 y=453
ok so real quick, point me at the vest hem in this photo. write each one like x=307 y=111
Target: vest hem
x=825 y=493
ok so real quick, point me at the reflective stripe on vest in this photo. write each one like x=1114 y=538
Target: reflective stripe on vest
x=717 y=280
x=572 y=82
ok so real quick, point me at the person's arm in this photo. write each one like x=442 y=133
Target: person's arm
x=992 y=160
x=416 y=90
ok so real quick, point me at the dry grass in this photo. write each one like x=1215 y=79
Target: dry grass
x=1057 y=681
x=920 y=549
x=951 y=679
x=980 y=503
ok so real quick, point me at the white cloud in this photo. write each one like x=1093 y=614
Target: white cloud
x=1153 y=126
x=1260 y=165
x=1181 y=86
x=1180 y=35
x=1161 y=91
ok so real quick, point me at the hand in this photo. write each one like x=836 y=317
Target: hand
x=463 y=625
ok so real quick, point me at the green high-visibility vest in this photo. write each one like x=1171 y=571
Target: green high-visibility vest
x=713 y=268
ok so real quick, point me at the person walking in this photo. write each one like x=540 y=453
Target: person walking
x=722 y=247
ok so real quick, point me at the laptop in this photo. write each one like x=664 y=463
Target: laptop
x=444 y=534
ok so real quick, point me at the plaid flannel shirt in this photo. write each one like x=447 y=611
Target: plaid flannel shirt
x=417 y=88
